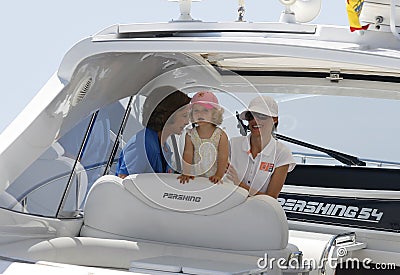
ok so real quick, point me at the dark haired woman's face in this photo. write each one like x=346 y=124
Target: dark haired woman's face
x=180 y=119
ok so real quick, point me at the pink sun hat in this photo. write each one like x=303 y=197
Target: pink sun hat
x=206 y=99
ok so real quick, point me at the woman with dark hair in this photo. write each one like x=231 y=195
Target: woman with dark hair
x=163 y=116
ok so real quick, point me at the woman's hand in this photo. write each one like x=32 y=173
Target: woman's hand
x=233 y=176
x=185 y=178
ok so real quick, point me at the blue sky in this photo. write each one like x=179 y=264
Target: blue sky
x=36 y=34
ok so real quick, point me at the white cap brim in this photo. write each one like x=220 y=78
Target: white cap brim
x=254 y=109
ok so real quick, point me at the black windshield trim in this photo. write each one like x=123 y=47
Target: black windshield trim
x=344 y=177
x=367 y=77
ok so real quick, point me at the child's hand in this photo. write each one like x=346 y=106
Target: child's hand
x=185 y=178
x=215 y=179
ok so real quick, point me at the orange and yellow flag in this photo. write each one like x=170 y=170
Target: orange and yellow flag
x=354 y=8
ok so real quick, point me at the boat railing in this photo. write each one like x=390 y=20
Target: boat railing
x=309 y=158
x=23 y=198
x=328 y=247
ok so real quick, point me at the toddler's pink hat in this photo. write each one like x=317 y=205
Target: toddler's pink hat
x=206 y=99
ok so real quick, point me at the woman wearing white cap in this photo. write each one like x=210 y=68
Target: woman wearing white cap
x=260 y=163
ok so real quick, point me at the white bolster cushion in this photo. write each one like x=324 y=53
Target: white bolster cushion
x=257 y=224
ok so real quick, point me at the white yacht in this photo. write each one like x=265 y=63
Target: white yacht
x=63 y=210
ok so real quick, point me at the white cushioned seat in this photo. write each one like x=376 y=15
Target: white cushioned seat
x=122 y=254
x=221 y=217
x=58 y=168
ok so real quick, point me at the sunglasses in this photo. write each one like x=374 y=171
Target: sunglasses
x=250 y=116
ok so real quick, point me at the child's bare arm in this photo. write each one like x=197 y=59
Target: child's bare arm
x=187 y=160
x=222 y=158
x=187 y=155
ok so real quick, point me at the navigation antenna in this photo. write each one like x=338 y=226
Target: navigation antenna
x=287 y=16
x=241 y=11
x=300 y=11
x=185 y=7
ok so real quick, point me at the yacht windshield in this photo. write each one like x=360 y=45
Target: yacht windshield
x=356 y=118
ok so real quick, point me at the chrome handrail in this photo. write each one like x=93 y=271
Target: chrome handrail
x=328 y=247
x=392 y=17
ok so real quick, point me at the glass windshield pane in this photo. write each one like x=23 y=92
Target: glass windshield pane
x=362 y=127
x=355 y=117
x=52 y=171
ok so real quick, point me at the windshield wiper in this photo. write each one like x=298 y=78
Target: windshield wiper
x=342 y=157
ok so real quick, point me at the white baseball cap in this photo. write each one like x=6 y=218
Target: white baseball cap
x=263 y=105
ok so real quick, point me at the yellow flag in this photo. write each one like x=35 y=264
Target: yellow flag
x=354 y=8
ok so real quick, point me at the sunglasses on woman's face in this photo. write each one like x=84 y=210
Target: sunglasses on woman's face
x=250 y=116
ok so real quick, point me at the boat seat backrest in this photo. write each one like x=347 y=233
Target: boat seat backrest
x=117 y=208
x=163 y=191
x=36 y=185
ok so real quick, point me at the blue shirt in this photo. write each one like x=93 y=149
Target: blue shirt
x=142 y=154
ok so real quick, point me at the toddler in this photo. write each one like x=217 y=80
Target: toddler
x=206 y=145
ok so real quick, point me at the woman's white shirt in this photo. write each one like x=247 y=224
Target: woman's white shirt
x=256 y=172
